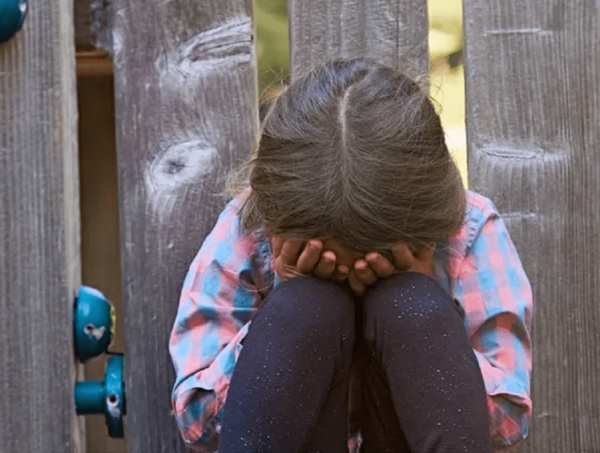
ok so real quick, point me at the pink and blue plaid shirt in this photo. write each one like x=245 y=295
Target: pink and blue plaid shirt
x=231 y=276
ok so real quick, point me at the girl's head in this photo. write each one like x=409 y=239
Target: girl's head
x=354 y=151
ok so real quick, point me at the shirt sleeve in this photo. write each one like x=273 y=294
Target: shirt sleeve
x=497 y=299
x=219 y=297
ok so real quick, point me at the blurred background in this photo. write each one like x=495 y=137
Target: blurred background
x=446 y=62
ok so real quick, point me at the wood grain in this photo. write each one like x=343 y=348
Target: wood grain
x=39 y=227
x=186 y=101
x=393 y=32
x=533 y=110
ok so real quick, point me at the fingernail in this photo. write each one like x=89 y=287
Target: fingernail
x=371 y=256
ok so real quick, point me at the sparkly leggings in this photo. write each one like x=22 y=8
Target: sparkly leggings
x=420 y=389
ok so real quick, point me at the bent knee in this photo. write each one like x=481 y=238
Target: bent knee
x=312 y=303
x=409 y=298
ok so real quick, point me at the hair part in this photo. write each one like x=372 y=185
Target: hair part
x=352 y=151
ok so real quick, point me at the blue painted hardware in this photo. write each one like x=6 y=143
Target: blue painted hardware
x=93 y=323
x=12 y=16
x=106 y=397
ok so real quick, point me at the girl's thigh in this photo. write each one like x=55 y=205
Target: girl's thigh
x=422 y=384
x=289 y=390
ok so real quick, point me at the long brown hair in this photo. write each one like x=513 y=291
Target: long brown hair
x=353 y=151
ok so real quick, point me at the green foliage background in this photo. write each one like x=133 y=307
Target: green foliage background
x=445 y=47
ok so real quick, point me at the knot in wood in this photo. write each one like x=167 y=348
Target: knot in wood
x=176 y=167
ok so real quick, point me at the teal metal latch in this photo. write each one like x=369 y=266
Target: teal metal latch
x=105 y=397
x=93 y=323
x=93 y=330
x=12 y=16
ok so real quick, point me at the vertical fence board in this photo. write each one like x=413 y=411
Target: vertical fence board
x=39 y=231
x=393 y=32
x=533 y=110
x=186 y=101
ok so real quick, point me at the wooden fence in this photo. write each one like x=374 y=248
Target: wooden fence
x=186 y=111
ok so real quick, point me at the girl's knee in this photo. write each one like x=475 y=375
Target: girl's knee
x=311 y=303
x=409 y=300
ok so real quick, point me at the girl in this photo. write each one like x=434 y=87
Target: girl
x=355 y=291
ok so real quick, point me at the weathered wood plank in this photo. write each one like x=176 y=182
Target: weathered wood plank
x=533 y=110
x=393 y=32
x=186 y=100
x=39 y=227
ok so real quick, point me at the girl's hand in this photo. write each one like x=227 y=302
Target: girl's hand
x=375 y=266
x=295 y=258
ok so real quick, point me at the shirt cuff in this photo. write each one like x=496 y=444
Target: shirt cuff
x=509 y=406
x=199 y=398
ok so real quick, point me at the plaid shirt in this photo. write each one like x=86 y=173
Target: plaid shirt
x=232 y=275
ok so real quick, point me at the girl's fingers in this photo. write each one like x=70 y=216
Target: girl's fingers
x=310 y=256
x=276 y=244
x=403 y=257
x=424 y=258
x=364 y=272
x=289 y=252
x=425 y=255
x=356 y=284
x=326 y=265
x=381 y=266
x=341 y=272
